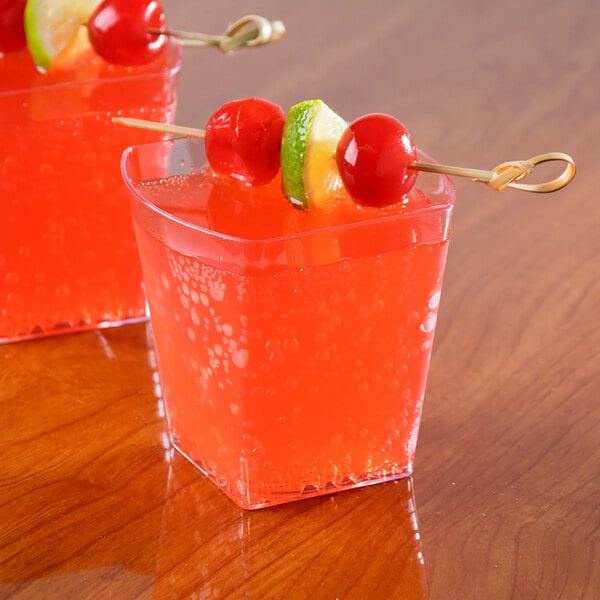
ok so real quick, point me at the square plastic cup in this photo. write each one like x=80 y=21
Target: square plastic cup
x=294 y=366
x=68 y=258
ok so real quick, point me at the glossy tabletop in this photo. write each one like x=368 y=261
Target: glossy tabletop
x=504 y=502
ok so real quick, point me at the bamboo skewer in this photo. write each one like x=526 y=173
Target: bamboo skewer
x=249 y=31
x=507 y=174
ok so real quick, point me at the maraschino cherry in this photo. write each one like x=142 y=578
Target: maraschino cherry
x=374 y=156
x=120 y=31
x=243 y=140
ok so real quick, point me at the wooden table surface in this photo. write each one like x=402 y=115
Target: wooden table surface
x=504 y=502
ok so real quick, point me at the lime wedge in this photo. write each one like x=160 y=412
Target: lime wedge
x=50 y=25
x=308 y=167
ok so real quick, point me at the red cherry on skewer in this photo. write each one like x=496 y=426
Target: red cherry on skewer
x=119 y=31
x=374 y=156
x=12 y=28
x=243 y=140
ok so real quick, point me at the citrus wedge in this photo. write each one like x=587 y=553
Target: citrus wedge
x=309 y=173
x=51 y=25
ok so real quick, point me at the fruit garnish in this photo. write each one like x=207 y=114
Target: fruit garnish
x=243 y=138
x=12 y=27
x=50 y=25
x=79 y=56
x=308 y=168
x=120 y=31
x=374 y=158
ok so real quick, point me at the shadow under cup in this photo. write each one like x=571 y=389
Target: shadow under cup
x=292 y=366
x=68 y=257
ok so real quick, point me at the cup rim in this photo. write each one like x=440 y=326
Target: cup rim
x=174 y=59
x=445 y=183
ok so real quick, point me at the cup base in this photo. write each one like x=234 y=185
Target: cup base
x=245 y=497
x=65 y=328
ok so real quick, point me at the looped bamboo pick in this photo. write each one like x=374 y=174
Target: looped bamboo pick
x=506 y=174
x=248 y=31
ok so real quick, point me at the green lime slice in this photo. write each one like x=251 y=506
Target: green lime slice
x=308 y=167
x=50 y=25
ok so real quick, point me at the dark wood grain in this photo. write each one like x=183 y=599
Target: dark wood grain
x=93 y=504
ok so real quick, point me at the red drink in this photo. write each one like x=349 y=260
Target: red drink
x=67 y=250
x=293 y=349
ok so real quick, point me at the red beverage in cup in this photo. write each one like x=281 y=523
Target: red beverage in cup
x=293 y=348
x=68 y=259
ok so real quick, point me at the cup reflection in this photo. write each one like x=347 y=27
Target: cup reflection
x=210 y=548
